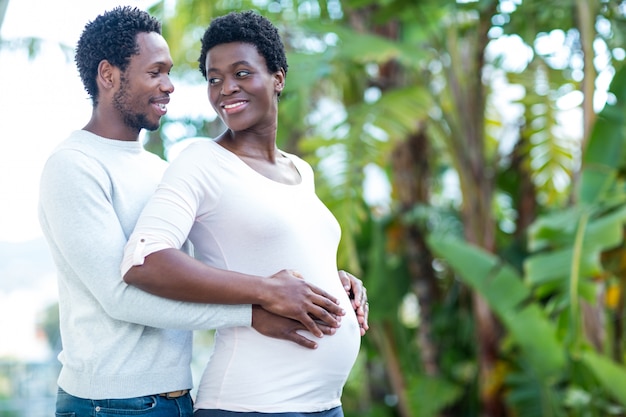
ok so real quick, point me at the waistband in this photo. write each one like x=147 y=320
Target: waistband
x=174 y=394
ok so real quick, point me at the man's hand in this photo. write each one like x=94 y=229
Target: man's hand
x=288 y=295
x=358 y=296
x=278 y=327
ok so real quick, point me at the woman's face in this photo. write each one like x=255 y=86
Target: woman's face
x=241 y=90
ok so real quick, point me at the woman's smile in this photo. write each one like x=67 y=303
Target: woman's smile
x=234 y=107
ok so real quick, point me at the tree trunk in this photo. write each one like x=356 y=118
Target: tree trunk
x=476 y=176
x=411 y=176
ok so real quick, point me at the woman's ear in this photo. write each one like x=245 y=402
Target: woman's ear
x=279 y=81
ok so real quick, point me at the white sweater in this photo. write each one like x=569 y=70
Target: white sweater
x=240 y=220
x=114 y=346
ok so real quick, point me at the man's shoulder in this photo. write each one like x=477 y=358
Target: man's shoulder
x=76 y=140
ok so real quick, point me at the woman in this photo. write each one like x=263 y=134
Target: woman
x=249 y=207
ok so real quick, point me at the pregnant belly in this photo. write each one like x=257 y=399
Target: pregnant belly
x=251 y=372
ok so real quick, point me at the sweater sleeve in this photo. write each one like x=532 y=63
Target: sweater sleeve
x=87 y=240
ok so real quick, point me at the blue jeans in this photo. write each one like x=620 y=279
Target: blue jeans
x=150 y=406
x=333 y=412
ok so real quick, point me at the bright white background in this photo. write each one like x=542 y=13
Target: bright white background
x=41 y=101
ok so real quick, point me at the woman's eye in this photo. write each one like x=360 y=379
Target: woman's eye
x=243 y=73
x=213 y=81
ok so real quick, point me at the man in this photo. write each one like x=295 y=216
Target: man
x=117 y=357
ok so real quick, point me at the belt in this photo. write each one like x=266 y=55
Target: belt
x=174 y=394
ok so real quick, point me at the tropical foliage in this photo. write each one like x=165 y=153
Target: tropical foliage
x=494 y=264
x=494 y=250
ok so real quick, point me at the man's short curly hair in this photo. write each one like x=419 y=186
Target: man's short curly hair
x=249 y=27
x=111 y=36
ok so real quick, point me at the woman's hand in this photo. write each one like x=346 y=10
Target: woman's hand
x=287 y=294
x=358 y=297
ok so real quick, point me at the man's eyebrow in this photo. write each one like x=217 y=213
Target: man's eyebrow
x=163 y=64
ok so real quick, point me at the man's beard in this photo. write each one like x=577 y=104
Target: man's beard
x=122 y=102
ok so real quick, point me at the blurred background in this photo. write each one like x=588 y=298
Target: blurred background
x=473 y=152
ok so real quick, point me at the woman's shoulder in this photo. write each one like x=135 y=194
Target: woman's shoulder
x=302 y=165
x=199 y=161
x=187 y=148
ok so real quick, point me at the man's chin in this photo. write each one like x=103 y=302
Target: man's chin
x=152 y=128
x=150 y=123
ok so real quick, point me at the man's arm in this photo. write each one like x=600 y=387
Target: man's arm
x=279 y=327
x=85 y=233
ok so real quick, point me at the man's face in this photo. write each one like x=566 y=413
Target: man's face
x=145 y=86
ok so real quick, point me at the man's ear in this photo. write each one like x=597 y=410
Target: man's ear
x=107 y=75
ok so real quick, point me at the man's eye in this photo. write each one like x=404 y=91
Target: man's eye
x=243 y=73
x=213 y=81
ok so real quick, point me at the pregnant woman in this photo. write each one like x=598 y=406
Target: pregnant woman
x=251 y=208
